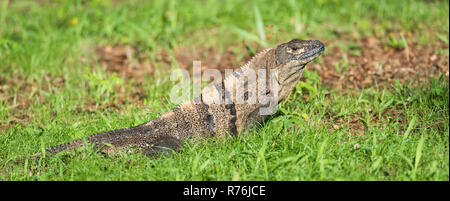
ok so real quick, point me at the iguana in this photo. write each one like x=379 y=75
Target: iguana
x=200 y=119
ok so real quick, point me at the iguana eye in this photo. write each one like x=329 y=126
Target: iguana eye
x=295 y=50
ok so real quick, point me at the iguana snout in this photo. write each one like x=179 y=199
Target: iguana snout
x=299 y=52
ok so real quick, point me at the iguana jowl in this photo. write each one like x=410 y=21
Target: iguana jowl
x=200 y=119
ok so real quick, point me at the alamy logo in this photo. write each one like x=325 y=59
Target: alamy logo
x=243 y=86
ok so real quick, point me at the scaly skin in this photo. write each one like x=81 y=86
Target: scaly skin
x=202 y=118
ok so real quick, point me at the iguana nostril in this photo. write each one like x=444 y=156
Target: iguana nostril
x=318 y=44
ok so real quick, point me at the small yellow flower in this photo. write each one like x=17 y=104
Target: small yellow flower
x=73 y=21
x=305 y=116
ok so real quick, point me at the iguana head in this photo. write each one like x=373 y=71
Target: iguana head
x=290 y=61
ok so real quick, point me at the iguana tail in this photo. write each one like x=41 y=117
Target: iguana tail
x=139 y=137
x=188 y=120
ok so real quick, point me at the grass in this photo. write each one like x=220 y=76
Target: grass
x=397 y=132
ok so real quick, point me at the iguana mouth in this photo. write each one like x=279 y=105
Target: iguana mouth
x=313 y=53
x=317 y=48
x=299 y=64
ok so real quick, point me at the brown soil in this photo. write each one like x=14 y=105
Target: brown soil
x=374 y=63
x=355 y=122
x=209 y=57
x=125 y=61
